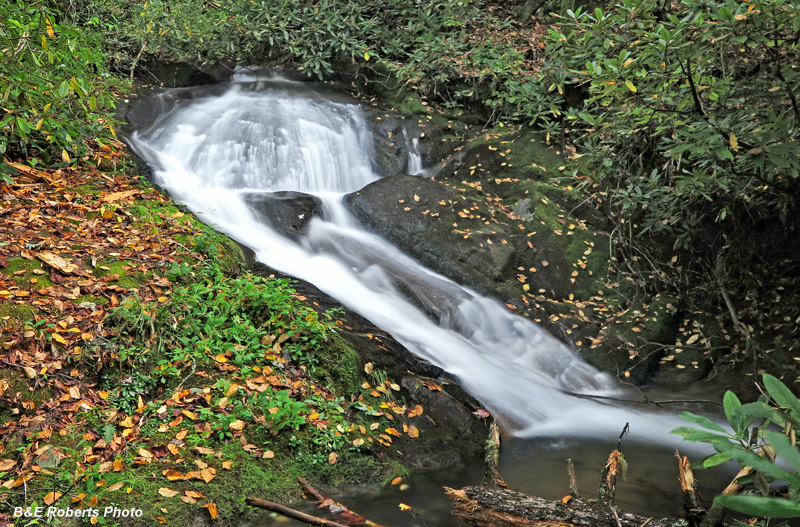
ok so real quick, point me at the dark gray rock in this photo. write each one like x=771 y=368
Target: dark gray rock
x=288 y=212
x=463 y=249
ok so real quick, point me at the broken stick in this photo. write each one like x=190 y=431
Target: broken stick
x=292 y=513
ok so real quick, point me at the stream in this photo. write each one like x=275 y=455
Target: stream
x=219 y=154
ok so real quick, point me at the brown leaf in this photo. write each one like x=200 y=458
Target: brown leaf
x=115 y=486
x=193 y=494
x=332 y=458
x=57 y=262
x=6 y=464
x=413 y=431
x=115 y=196
x=168 y=493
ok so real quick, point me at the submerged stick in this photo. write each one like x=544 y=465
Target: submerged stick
x=292 y=513
x=492 y=475
x=344 y=515
x=573 y=481
x=692 y=508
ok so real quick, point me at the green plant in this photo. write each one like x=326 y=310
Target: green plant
x=54 y=87
x=762 y=432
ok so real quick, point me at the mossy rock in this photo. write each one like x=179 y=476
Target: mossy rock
x=636 y=341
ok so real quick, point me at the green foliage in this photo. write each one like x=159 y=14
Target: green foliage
x=762 y=431
x=54 y=87
x=691 y=114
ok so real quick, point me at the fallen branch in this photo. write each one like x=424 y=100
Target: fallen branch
x=292 y=513
x=336 y=509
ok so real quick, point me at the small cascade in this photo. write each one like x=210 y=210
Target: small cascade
x=256 y=137
x=414 y=157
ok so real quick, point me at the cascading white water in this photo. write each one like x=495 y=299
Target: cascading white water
x=213 y=151
x=414 y=158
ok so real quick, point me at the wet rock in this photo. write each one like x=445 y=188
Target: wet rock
x=288 y=212
x=416 y=214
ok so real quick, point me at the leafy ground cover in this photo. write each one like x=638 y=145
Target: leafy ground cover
x=142 y=367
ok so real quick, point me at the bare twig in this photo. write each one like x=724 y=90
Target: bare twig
x=291 y=513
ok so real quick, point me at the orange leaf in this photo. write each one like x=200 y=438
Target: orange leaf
x=51 y=497
x=212 y=510
x=173 y=475
x=393 y=431
x=413 y=431
x=332 y=458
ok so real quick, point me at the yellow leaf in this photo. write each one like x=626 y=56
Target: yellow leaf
x=404 y=507
x=734 y=142
x=366 y=55
x=65 y=156
x=237 y=425
x=58 y=338
x=693 y=339
x=168 y=493
x=413 y=431
x=392 y=431
x=630 y=86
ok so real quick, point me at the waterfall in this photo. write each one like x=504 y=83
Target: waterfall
x=212 y=152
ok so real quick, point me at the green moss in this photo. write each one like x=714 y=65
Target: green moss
x=340 y=366
x=23 y=280
x=272 y=479
x=127 y=280
x=99 y=300
x=14 y=317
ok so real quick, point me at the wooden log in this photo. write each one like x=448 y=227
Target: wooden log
x=484 y=506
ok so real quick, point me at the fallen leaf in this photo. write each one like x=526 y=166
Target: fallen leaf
x=115 y=196
x=212 y=510
x=51 y=497
x=168 y=493
x=173 y=475
x=115 y=486
x=57 y=262
x=413 y=431
x=332 y=458
x=236 y=425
